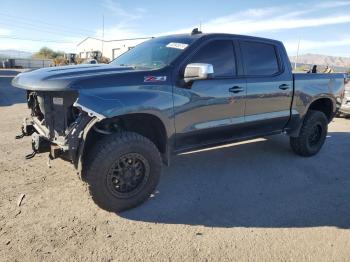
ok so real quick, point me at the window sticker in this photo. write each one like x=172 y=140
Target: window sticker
x=177 y=45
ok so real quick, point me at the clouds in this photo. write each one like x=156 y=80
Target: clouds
x=250 y=21
x=310 y=20
x=272 y=21
x=4 y=32
x=333 y=4
x=277 y=18
x=116 y=9
x=126 y=26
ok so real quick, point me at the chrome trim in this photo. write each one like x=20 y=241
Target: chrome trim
x=90 y=112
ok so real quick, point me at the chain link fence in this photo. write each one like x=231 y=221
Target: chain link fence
x=25 y=63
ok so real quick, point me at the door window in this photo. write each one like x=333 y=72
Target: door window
x=260 y=59
x=220 y=54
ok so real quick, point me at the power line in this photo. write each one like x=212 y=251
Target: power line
x=44 y=23
x=39 y=28
x=36 y=29
x=36 y=40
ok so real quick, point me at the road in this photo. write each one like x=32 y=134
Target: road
x=251 y=201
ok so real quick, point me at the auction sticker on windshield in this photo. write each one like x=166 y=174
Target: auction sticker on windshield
x=177 y=45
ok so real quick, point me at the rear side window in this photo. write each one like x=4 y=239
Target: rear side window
x=260 y=59
x=219 y=53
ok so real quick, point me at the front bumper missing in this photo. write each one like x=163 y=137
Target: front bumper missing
x=40 y=142
x=65 y=147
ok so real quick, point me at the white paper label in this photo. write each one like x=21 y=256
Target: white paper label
x=58 y=100
x=177 y=45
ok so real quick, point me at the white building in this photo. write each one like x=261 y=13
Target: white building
x=108 y=48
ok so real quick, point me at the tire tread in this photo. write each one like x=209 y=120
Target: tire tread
x=101 y=151
x=298 y=144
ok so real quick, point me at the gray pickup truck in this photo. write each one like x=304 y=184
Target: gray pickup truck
x=345 y=107
x=118 y=123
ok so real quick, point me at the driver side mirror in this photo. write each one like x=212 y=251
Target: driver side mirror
x=198 y=71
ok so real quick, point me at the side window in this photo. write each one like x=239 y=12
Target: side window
x=219 y=53
x=260 y=59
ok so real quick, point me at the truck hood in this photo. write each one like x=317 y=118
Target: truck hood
x=66 y=78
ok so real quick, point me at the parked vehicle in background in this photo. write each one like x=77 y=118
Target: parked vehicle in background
x=117 y=123
x=345 y=107
x=90 y=61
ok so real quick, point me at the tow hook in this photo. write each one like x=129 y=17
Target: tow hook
x=31 y=155
x=27 y=129
x=23 y=133
x=39 y=145
x=19 y=136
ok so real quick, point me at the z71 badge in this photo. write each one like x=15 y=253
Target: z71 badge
x=154 y=79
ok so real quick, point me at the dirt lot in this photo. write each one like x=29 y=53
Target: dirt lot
x=253 y=201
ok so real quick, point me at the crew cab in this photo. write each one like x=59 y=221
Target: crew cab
x=118 y=123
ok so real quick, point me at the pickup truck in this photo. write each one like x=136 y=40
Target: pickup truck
x=118 y=123
x=345 y=107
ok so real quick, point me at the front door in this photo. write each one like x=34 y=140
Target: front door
x=208 y=111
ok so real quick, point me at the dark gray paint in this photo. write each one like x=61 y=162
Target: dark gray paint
x=206 y=113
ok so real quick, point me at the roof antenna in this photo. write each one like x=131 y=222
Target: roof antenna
x=195 y=31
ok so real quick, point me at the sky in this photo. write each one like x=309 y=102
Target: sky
x=323 y=27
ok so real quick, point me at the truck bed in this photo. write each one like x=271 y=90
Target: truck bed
x=310 y=87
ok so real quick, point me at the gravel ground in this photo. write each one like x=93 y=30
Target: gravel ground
x=252 y=201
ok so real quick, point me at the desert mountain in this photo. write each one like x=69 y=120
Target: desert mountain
x=315 y=59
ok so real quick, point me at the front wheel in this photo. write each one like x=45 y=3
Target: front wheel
x=312 y=135
x=124 y=171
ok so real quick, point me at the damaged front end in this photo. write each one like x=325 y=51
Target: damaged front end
x=56 y=124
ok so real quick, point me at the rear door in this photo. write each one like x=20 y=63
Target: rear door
x=269 y=86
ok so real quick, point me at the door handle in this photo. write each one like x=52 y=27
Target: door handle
x=236 y=89
x=284 y=87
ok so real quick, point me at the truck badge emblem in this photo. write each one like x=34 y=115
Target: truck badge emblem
x=154 y=79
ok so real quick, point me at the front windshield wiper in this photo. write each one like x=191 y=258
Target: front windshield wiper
x=125 y=65
x=136 y=66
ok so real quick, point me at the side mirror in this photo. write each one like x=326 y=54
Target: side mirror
x=198 y=71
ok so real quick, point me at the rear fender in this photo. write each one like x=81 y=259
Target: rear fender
x=297 y=119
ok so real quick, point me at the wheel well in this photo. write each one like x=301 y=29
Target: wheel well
x=144 y=124
x=148 y=126
x=324 y=105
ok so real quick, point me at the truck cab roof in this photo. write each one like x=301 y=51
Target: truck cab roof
x=218 y=35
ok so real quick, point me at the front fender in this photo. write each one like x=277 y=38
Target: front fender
x=111 y=102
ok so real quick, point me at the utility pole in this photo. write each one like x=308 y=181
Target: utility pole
x=103 y=32
x=297 y=58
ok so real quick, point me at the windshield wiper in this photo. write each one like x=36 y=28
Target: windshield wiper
x=135 y=66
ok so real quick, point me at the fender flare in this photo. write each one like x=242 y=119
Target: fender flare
x=297 y=127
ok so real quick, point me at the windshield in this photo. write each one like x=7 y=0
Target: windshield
x=154 y=54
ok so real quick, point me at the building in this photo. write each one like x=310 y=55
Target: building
x=109 y=48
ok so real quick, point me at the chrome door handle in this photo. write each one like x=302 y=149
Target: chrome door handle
x=236 y=89
x=284 y=87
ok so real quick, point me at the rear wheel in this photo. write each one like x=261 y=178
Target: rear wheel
x=124 y=171
x=312 y=135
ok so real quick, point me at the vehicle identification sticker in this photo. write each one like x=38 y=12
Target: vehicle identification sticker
x=154 y=79
x=57 y=100
x=177 y=45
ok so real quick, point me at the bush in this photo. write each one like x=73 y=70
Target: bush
x=47 y=53
x=60 y=61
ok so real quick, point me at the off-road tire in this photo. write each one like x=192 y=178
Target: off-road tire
x=301 y=145
x=103 y=157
